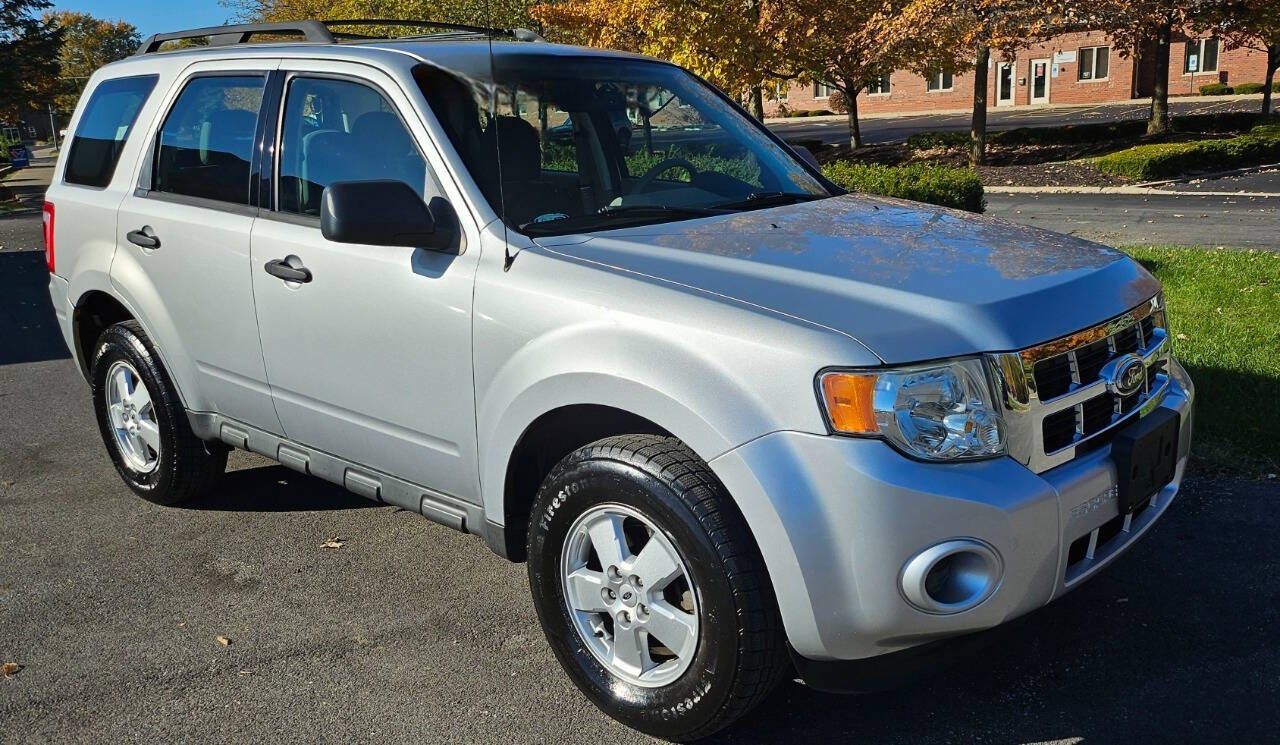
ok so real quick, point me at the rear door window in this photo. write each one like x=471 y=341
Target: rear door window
x=206 y=143
x=103 y=129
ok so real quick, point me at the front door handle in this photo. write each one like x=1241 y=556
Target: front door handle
x=290 y=269
x=146 y=237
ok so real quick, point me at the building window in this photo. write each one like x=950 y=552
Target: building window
x=879 y=86
x=779 y=90
x=1095 y=63
x=1201 y=56
x=940 y=81
x=822 y=90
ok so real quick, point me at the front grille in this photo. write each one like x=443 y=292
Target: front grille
x=1061 y=373
x=1062 y=395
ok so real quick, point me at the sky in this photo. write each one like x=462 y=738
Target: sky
x=153 y=16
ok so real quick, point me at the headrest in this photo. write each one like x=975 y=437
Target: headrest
x=230 y=131
x=381 y=132
x=519 y=148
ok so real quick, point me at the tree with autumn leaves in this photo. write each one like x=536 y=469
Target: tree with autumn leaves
x=1252 y=24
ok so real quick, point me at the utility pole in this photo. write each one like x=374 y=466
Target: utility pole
x=53 y=127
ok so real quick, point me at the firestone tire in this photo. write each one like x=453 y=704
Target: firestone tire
x=143 y=423
x=659 y=486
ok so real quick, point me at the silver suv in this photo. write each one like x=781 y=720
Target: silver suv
x=575 y=302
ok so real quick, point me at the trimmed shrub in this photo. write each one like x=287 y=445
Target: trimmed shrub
x=837 y=102
x=1250 y=88
x=1216 y=89
x=934 y=140
x=1146 y=162
x=958 y=188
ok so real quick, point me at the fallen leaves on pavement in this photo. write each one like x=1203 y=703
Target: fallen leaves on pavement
x=334 y=542
x=224 y=641
x=9 y=669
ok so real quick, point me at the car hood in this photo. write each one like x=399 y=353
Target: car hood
x=909 y=281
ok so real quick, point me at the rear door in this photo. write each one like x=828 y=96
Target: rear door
x=370 y=359
x=183 y=251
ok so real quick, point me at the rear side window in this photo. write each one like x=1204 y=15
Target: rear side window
x=104 y=126
x=206 y=142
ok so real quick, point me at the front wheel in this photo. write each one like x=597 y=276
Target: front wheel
x=650 y=588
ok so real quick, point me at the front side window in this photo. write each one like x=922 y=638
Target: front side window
x=1201 y=56
x=940 y=81
x=1094 y=63
x=103 y=128
x=341 y=130
x=592 y=143
x=206 y=142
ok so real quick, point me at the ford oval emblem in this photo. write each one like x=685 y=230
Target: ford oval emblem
x=1126 y=375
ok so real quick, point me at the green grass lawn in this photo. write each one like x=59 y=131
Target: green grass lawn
x=1224 y=317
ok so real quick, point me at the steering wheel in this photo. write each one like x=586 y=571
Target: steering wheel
x=651 y=175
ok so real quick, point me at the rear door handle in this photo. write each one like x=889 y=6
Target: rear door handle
x=289 y=269
x=146 y=237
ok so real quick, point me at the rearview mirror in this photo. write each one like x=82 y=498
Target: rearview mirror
x=386 y=213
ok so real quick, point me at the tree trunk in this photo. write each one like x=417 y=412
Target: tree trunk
x=1159 y=122
x=756 y=101
x=1273 y=62
x=851 y=91
x=978 y=128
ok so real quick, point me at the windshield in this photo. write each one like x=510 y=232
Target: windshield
x=593 y=143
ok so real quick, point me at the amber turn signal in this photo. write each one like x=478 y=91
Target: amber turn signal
x=848 y=397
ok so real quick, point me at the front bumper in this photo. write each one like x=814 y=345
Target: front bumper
x=837 y=519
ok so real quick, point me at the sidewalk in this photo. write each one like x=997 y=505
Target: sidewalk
x=29 y=184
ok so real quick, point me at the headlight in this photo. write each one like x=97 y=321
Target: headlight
x=941 y=411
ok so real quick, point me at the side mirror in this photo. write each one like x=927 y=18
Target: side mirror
x=806 y=155
x=386 y=213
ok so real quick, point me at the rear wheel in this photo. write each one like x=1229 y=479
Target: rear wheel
x=650 y=588
x=143 y=423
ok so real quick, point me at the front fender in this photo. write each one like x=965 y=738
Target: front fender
x=692 y=395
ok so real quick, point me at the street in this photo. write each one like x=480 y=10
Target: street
x=410 y=632
x=896 y=129
x=1159 y=218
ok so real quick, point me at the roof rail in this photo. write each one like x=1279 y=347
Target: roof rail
x=319 y=32
x=312 y=31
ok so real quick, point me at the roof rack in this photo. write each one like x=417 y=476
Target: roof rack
x=319 y=32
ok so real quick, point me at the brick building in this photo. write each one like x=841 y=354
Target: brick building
x=1075 y=68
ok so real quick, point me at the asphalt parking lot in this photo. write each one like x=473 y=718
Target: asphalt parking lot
x=877 y=130
x=409 y=632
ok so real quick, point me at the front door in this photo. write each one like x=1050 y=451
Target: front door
x=1004 y=84
x=370 y=358
x=184 y=239
x=1039 y=81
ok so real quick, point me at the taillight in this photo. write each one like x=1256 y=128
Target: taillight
x=48 y=236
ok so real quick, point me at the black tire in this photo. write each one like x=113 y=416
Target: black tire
x=187 y=466
x=739 y=657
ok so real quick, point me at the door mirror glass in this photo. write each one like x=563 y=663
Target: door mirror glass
x=386 y=213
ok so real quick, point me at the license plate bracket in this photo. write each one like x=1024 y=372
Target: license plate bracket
x=1146 y=455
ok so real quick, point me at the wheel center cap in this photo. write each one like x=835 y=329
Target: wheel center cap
x=629 y=596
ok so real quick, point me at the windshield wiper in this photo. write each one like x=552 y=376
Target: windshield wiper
x=657 y=210
x=622 y=213
x=767 y=199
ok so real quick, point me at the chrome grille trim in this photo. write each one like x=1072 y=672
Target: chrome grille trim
x=1025 y=412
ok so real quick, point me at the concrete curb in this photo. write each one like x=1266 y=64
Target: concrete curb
x=1127 y=190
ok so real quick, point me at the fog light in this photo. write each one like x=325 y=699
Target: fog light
x=951 y=577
